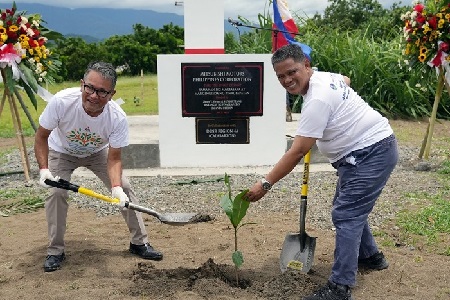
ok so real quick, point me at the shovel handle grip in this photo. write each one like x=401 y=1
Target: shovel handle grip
x=91 y=193
x=306 y=161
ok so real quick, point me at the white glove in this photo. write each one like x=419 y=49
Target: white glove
x=117 y=192
x=46 y=174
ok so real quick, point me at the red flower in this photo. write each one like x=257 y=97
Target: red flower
x=12 y=35
x=41 y=41
x=3 y=16
x=444 y=46
x=419 y=7
x=33 y=43
x=433 y=22
x=420 y=19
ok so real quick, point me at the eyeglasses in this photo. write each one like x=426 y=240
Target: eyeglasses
x=91 y=90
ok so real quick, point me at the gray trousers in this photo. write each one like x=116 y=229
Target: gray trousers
x=56 y=205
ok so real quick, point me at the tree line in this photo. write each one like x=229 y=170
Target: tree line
x=129 y=53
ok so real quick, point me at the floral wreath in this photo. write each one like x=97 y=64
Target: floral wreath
x=25 y=59
x=427 y=32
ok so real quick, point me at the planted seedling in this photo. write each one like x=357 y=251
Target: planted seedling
x=235 y=208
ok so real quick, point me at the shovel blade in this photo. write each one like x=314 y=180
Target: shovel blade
x=177 y=219
x=294 y=257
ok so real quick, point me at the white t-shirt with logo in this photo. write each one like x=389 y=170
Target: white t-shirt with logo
x=338 y=117
x=76 y=133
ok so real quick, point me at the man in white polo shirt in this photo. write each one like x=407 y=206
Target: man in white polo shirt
x=361 y=146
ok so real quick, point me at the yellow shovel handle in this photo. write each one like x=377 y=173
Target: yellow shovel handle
x=91 y=193
x=306 y=161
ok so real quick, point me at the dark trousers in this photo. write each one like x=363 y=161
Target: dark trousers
x=362 y=176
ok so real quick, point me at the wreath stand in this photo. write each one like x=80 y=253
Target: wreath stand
x=17 y=124
x=426 y=143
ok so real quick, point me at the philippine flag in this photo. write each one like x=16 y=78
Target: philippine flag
x=284 y=22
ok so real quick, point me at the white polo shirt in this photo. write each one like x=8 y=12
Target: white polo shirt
x=338 y=117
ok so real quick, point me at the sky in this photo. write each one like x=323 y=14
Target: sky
x=233 y=8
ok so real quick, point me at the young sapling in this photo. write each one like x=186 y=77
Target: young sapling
x=235 y=208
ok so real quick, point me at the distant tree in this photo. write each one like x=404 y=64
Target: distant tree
x=137 y=51
x=75 y=54
x=366 y=15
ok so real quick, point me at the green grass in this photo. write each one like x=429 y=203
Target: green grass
x=144 y=88
x=426 y=221
x=16 y=201
x=445 y=168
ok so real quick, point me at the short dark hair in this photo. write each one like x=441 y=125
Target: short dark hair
x=107 y=71
x=288 y=51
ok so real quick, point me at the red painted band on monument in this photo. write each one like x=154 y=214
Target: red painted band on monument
x=205 y=51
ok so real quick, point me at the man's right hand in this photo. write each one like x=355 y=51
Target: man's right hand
x=46 y=174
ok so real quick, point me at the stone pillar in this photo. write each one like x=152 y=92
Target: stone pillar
x=204 y=27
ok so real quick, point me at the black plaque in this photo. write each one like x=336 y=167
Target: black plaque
x=222 y=130
x=222 y=89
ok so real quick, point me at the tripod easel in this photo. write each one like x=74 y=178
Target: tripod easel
x=7 y=94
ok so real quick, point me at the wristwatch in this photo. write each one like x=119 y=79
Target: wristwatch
x=266 y=184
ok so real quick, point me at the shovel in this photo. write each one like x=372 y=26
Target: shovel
x=175 y=219
x=298 y=249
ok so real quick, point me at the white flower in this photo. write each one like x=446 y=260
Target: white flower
x=30 y=32
x=23 y=20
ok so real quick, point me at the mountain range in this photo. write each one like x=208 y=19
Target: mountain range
x=96 y=24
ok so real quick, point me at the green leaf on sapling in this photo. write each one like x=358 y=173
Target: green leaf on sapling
x=227 y=206
x=240 y=207
x=238 y=258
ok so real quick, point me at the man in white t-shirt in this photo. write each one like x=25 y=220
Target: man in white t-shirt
x=83 y=127
x=358 y=142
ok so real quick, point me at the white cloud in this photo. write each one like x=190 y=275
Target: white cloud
x=233 y=8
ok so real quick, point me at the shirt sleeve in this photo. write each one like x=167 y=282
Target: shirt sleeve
x=120 y=135
x=49 y=117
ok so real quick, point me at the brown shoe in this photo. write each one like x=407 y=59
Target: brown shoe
x=145 y=251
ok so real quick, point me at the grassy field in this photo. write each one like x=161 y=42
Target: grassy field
x=139 y=93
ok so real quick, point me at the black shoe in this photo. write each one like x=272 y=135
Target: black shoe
x=374 y=262
x=332 y=291
x=53 y=262
x=146 y=251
